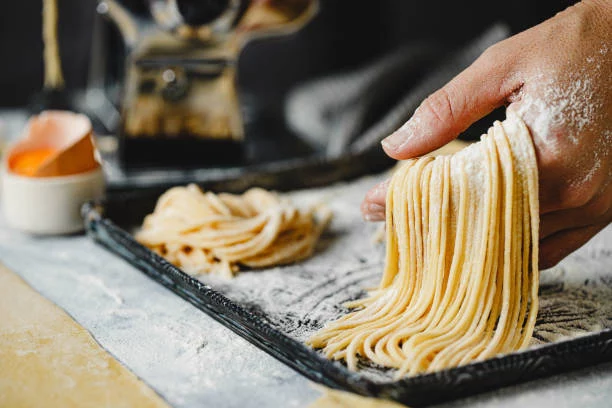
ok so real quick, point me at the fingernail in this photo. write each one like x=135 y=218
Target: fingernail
x=381 y=188
x=400 y=137
x=374 y=208
x=393 y=142
x=374 y=212
x=374 y=217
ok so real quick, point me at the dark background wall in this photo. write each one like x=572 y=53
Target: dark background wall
x=348 y=33
x=21 y=70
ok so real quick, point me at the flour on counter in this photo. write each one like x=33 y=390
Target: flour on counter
x=192 y=360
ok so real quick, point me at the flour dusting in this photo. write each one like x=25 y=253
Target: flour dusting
x=575 y=298
x=561 y=107
x=561 y=111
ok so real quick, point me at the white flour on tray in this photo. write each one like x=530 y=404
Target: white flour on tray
x=575 y=297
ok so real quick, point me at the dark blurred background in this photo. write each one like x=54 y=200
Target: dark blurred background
x=290 y=105
x=345 y=34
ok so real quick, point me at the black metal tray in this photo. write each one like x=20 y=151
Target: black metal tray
x=280 y=333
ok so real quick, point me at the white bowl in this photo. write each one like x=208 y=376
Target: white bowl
x=48 y=205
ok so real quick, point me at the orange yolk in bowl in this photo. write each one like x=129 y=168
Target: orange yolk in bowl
x=27 y=163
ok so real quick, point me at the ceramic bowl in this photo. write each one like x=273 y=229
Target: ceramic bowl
x=48 y=205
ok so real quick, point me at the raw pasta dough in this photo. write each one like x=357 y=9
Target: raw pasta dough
x=341 y=399
x=461 y=279
x=48 y=360
x=202 y=232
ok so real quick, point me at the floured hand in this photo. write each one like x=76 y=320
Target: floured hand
x=558 y=77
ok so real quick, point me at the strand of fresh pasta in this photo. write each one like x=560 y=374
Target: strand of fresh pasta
x=204 y=232
x=460 y=280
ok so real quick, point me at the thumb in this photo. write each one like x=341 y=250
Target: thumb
x=440 y=118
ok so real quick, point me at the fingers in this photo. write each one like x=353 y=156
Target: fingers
x=472 y=94
x=373 y=206
x=557 y=246
x=597 y=211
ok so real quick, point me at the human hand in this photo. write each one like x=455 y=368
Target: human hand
x=558 y=77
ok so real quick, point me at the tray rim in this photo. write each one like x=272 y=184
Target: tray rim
x=526 y=365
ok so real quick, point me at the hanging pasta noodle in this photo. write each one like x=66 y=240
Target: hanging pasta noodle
x=202 y=232
x=461 y=277
x=53 y=66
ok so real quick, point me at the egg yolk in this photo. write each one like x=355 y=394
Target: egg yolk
x=27 y=163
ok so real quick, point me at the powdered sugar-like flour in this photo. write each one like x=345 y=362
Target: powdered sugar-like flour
x=559 y=108
x=576 y=297
x=573 y=106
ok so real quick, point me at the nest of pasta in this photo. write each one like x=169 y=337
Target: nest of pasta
x=202 y=232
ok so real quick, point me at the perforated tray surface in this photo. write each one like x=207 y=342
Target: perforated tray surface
x=277 y=309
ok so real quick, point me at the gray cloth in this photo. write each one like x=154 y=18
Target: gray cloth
x=332 y=113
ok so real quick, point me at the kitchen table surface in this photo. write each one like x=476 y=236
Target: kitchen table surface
x=193 y=361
